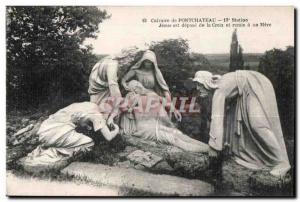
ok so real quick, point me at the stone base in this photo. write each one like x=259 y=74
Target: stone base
x=138 y=181
x=175 y=161
x=238 y=179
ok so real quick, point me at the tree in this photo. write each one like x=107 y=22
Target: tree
x=46 y=57
x=279 y=66
x=198 y=62
x=177 y=63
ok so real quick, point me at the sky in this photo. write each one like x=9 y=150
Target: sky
x=126 y=28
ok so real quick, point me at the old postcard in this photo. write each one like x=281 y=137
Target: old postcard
x=150 y=101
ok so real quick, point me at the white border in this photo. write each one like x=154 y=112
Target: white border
x=3 y=3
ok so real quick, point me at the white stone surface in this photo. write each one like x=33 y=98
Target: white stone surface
x=138 y=180
x=31 y=186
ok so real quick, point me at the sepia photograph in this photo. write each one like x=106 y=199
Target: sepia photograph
x=150 y=101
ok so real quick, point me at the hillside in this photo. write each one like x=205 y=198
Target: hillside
x=220 y=62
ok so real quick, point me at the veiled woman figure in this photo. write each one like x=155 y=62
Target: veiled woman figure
x=245 y=118
x=145 y=71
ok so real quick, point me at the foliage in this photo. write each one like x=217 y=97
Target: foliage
x=279 y=66
x=46 y=60
x=177 y=63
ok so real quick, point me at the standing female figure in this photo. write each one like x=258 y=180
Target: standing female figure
x=245 y=118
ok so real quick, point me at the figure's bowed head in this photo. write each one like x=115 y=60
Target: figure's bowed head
x=147 y=65
x=206 y=82
x=97 y=123
x=136 y=87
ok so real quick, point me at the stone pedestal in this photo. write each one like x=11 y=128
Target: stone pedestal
x=135 y=181
x=238 y=179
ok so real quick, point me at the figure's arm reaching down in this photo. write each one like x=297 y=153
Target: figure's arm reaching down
x=99 y=124
x=112 y=79
x=167 y=95
x=129 y=75
x=169 y=105
x=114 y=89
x=109 y=135
x=217 y=119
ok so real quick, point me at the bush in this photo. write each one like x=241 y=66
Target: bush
x=279 y=66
